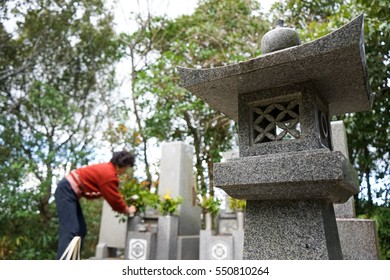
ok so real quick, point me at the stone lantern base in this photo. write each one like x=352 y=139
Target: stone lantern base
x=291 y=230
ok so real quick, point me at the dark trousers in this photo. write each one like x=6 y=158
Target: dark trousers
x=70 y=215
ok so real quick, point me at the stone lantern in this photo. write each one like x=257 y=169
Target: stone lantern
x=287 y=169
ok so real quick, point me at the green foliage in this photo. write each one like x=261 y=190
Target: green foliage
x=237 y=204
x=211 y=205
x=167 y=205
x=21 y=238
x=138 y=194
x=55 y=69
x=209 y=37
x=382 y=217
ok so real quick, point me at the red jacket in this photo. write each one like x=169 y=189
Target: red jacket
x=101 y=180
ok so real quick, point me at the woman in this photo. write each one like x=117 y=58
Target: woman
x=91 y=182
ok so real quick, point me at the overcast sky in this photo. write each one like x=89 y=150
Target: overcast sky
x=172 y=8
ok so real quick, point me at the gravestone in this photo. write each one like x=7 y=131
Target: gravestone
x=215 y=247
x=226 y=242
x=358 y=237
x=141 y=245
x=178 y=239
x=112 y=234
x=141 y=238
x=287 y=170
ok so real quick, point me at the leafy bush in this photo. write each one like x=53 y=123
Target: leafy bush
x=168 y=205
x=138 y=194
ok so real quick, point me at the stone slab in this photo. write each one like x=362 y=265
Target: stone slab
x=177 y=178
x=215 y=247
x=188 y=247
x=238 y=244
x=140 y=246
x=291 y=230
x=101 y=251
x=358 y=238
x=339 y=140
x=112 y=232
x=314 y=174
x=335 y=63
x=345 y=210
x=227 y=222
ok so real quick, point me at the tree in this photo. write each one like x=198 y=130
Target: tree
x=208 y=38
x=55 y=68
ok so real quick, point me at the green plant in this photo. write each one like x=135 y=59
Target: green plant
x=211 y=205
x=237 y=204
x=138 y=194
x=168 y=205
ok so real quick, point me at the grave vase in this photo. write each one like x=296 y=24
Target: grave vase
x=167 y=236
x=133 y=222
x=208 y=221
x=240 y=220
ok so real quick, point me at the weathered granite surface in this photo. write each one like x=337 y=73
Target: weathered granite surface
x=358 y=238
x=339 y=138
x=291 y=230
x=309 y=104
x=280 y=37
x=289 y=190
x=314 y=174
x=335 y=63
x=339 y=142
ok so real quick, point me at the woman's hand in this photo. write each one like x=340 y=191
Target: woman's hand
x=131 y=210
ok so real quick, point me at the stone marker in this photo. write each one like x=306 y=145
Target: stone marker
x=287 y=170
x=177 y=178
x=178 y=237
x=112 y=234
x=141 y=246
x=358 y=237
x=339 y=139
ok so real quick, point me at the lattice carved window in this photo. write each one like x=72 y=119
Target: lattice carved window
x=277 y=121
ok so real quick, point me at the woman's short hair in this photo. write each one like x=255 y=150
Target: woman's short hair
x=122 y=159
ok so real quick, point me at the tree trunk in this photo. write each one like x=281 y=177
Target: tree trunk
x=138 y=119
x=197 y=144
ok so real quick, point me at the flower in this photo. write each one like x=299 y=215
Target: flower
x=168 y=205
